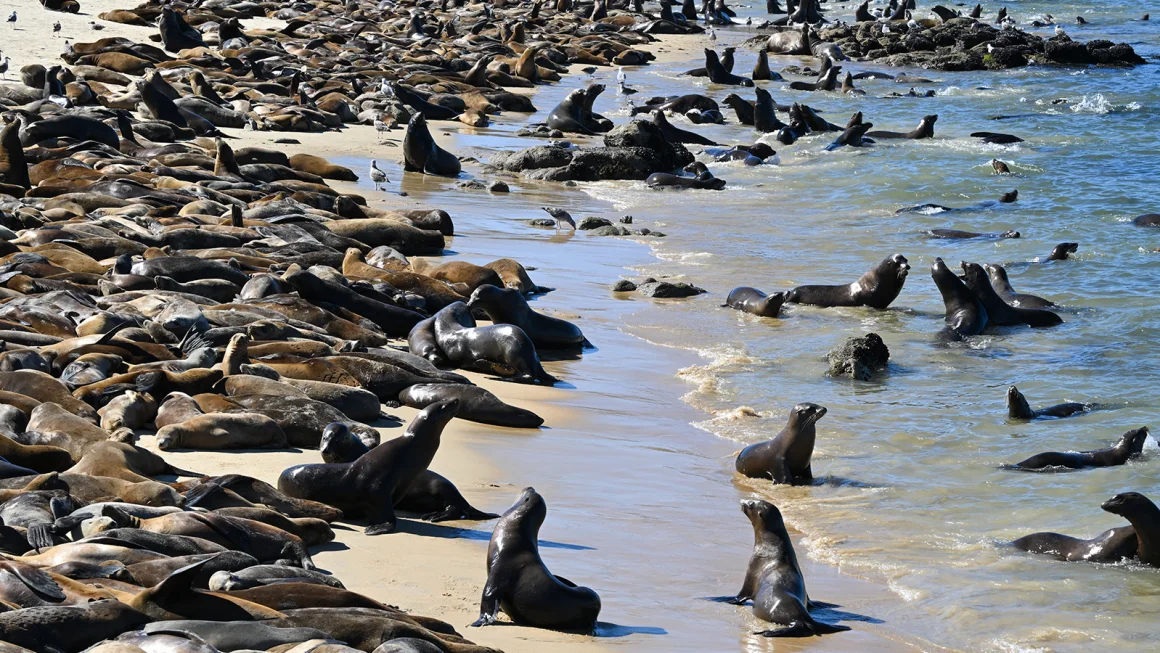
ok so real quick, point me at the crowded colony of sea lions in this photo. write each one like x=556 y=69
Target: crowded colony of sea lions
x=158 y=279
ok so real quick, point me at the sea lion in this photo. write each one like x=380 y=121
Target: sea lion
x=752 y=300
x=176 y=598
x=676 y=134
x=339 y=445
x=1061 y=251
x=827 y=79
x=69 y=628
x=1018 y=408
x=475 y=404
x=502 y=346
x=312 y=531
x=773 y=580
x=1147 y=220
x=127 y=412
x=302 y=419
x=965 y=314
x=1111 y=546
x=1129 y=446
x=371 y=485
x=765 y=118
x=262 y=493
x=421 y=342
x=176 y=34
x=719 y=75
x=568 y=115
x=703 y=181
x=998 y=311
x=43 y=458
x=508 y=306
x=437 y=499
x=957 y=234
x=223 y=431
x=422 y=154
x=1145 y=519
x=44 y=388
x=790 y=42
x=852 y=136
x=237 y=635
x=877 y=288
x=925 y=129
x=225 y=581
x=1002 y=286
x=519 y=583
x=761 y=71
x=785 y=458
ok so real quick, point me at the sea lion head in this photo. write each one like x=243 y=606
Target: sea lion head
x=529 y=510
x=225 y=581
x=1126 y=503
x=764 y=516
x=97 y=525
x=1134 y=440
x=807 y=414
x=1016 y=402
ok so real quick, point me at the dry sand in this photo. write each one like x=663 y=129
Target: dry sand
x=439 y=570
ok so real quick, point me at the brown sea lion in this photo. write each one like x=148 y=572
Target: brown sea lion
x=223 y=431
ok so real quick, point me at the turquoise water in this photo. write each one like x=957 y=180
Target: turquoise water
x=913 y=497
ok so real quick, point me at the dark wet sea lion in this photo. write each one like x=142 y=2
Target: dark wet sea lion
x=1018 y=408
x=925 y=129
x=475 y=404
x=508 y=306
x=676 y=134
x=752 y=300
x=852 y=136
x=955 y=233
x=268 y=575
x=965 y=315
x=1062 y=250
x=176 y=34
x=339 y=445
x=505 y=345
x=1129 y=446
x=1145 y=519
x=765 y=118
x=761 y=71
x=519 y=583
x=719 y=75
x=785 y=458
x=773 y=579
x=422 y=154
x=370 y=486
x=568 y=115
x=1111 y=546
x=1002 y=286
x=998 y=311
x=176 y=598
x=877 y=288
x=1147 y=220
x=704 y=181
x=437 y=499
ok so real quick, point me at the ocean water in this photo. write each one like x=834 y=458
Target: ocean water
x=911 y=495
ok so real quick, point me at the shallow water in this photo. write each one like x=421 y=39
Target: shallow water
x=914 y=497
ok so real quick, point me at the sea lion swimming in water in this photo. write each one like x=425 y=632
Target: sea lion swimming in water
x=773 y=579
x=785 y=458
x=957 y=234
x=1062 y=250
x=1002 y=286
x=965 y=315
x=752 y=300
x=925 y=129
x=372 y=485
x=877 y=288
x=1129 y=446
x=422 y=154
x=1145 y=519
x=1113 y=545
x=1018 y=408
x=519 y=583
x=998 y=311
x=853 y=136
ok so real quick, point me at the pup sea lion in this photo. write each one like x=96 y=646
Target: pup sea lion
x=519 y=583
x=703 y=181
x=965 y=315
x=422 y=154
x=752 y=300
x=773 y=580
x=1018 y=408
x=1130 y=445
x=508 y=306
x=437 y=499
x=998 y=311
x=475 y=404
x=785 y=458
x=876 y=289
x=371 y=485
x=1002 y=286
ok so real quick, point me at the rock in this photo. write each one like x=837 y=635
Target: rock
x=642 y=232
x=859 y=357
x=1001 y=58
x=624 y=285
x=471 y=184
x=542 y=222
x=592 y=223
x=610 y=230
x=533 y=158
x=499 y=187
x=668 y=290
x=658 y=234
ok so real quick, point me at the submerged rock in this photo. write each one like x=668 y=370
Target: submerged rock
x=860 y=357
x=669 y=290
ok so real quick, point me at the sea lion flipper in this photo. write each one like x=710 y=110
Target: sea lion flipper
x=180 y=580
x=489 y=604
x=36 y=580
x=384 y=522
x=40 y=536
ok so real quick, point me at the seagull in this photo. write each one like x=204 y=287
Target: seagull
x=381 y=127
x=56 y=28
x=4 y=68
x=749 y=21
x=911 y=24
x=378 y=176
x=1059 y=31
x=885 y=28
x=96 y=26
x=621 y=78
x=12 y=19
x=68 y=48
x=1000 y=167
x=712 y=32
x=385 y=89
x=625 y=90
x=561 y=216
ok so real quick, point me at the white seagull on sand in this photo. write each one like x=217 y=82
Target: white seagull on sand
x=378 y=176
